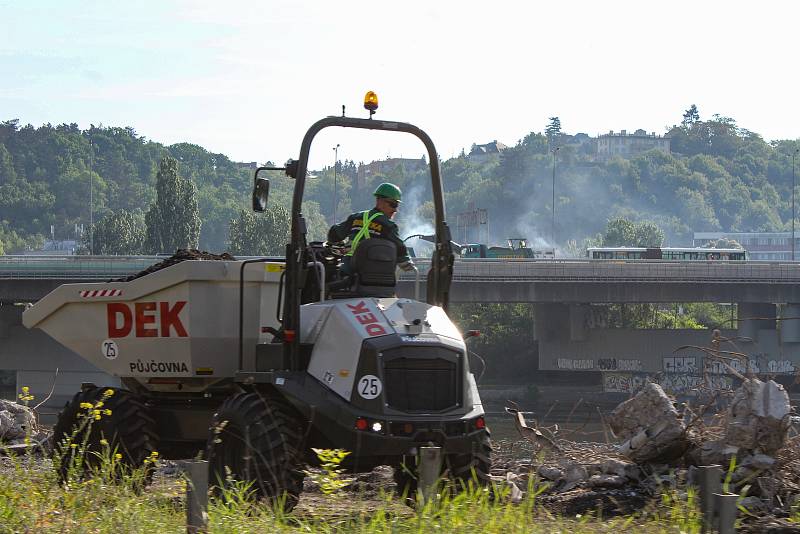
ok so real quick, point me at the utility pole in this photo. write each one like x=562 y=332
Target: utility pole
x=553 y=205
x=91 y=197
x=335 y=164
x=794 y=155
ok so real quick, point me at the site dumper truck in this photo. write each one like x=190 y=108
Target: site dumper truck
x=256 y=362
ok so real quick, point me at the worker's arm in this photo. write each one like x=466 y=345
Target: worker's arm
x=393 y=235
x=340 y=232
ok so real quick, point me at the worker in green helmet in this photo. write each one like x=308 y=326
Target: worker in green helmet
x=376 y=222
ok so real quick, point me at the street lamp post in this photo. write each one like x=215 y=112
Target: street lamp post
x=553 y=205
x=794 y=155
x=335 y=164
x=91 y=196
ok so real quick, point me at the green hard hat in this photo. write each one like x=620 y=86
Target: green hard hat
x=387 y=190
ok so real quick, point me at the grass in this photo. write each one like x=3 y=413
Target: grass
x=33 y=500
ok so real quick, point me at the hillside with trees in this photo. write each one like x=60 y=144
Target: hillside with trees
x=719 y=176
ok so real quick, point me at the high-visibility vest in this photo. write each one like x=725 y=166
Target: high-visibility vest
x=363 y=233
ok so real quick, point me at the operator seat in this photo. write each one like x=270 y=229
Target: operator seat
x=373 y=264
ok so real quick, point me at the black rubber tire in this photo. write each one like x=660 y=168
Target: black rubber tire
x=466 y=470
x=257 y=439
x=129 y=430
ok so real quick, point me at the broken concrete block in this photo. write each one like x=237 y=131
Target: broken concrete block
x=612 y=466
x=550 y=473
x=575 y=473
x=714 y=453
x=16 y=421
x=650 y=426
x=758 y=417
x=759 y=461
x=641 y=411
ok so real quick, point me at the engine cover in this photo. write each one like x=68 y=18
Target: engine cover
x=339 y=329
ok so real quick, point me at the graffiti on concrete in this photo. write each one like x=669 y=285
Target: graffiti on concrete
x=739 y=366
x=574 y=364
x=680 y=364
x=622 y=382
x=619 y=364
x=683 y=383
x=781 y=367
x=676 y=384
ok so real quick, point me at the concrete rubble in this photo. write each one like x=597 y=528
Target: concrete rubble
x=650 y=427
x=658 y=447
x=16 y=421
x=18 y=426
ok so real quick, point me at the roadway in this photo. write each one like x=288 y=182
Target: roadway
x=28 y=278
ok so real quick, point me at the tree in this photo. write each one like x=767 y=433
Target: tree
x=553 y=131
x=119 y=233
x=257 y=234
x=172 y=221
x=620 y=232
x=690 y=116
x=648 y=234
x=724 y=242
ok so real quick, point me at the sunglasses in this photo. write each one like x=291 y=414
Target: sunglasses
x=392 y=203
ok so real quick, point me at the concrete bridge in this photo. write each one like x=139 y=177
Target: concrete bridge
x=570 y=334
x=29 y=278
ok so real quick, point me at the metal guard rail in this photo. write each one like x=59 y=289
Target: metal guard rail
x=469 y=270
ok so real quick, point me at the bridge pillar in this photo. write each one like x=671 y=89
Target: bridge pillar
x=551 y=321
x=10 y=315
x=754 y=317
x=578 y=314
x=790 y=326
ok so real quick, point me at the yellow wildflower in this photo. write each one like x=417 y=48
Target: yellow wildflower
x=96 y=417
x=118 y=456
x=86 y=405
x=103 y=441
x=107 y=411
x=108 y=393
x=25 y=389
x=99 y=404
x=73 y=445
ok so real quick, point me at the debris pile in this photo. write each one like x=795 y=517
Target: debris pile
x=180 y=255
x=18 y=426
x=659 y=447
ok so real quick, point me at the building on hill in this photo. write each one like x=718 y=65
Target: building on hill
x=764 y=246
x=627 y=145
x=247 y=165
x=480 y=153
x=367 y=170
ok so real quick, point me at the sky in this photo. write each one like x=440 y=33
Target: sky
x=247 y=79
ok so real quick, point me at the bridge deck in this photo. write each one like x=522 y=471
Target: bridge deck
x=24 y=278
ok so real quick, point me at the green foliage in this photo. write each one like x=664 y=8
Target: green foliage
x=724 y=243
x=331 y=480
x=719 y=177
x=118 y=233
x=553 y=131
x=620 y=232
x=32 y=500
x=506 y=342
x=691 y=316
x=259 y=234
x=13 y=243
x=172 y=221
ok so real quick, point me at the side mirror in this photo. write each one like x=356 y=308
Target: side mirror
x=260 y=193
